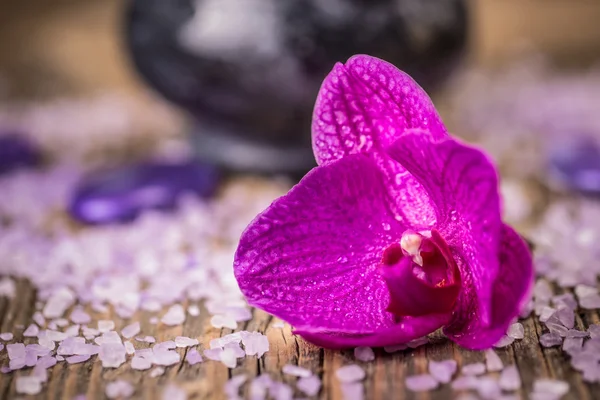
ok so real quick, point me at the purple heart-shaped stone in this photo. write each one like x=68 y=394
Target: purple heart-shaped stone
x=120 y=195
x=16 y=152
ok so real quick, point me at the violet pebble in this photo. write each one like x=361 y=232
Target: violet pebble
x=120 y=195
x=16 y=151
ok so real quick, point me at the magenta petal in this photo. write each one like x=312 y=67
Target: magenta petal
x=311 y=258
x=463 y=186
x=365 y=105
x=510 y=292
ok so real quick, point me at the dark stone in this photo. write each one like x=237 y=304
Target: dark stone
x=249 y=70
x=576 y=164
x=16 y=152
x=120 y=195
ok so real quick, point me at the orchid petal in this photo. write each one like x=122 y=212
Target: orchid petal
x=463 y=186
x=312 y=257
x=510 y=292
x=364 y=105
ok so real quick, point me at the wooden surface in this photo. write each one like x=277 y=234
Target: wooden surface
x=385 y=376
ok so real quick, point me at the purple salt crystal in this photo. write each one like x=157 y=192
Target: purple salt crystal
x=61 y=322
x=193 y=310
x=413 y=344
x=575 y=333
x=493 y=362
x=259 y=387
x=38 y=318
x=129 y=349
x=90 y=331
x=77 y=359
x=546 y=313
x=58 y=303
x=228 y=358
x=38 y=350
x=584 y=360
x=112 y=355
x=174 y=316
x=158 y=371
x=165 y=357
x=223 y=321
x=516 y=331
x=573 y=345
x=40 y=373
x=31 y=331
x=473 y=369
x=594 y=331
x=16 y=152
x=576 y=164
x=232 y=386
x=7 y=288
x=167 y=345
x=350 y=373
x=237 y=350
x=255 y=343
x=564 y=300
x=488 y=388
x=585 y=290
x=43 y=340
x=551 y=339
x=590 y=302
x=105 y=325
x=30 y=357
x=110 y=337
x=172 y=392
x=352 y=391
x=28 y=384
x=421 y=383
x=17 y=363
x=310 y=385
x=551 y=388
x=154 y=321
x=78 y=316
x=504 y=341
x=566 y=316
x=67 y=347
x=119 y=389
x=364 y=354
x=213 y=354
x=15 y=350
x=442 y=371
x=56 y=336
x=6 y=336
x=131 y=330
x=83 y=349
x=295 y=370
x=140 y=363
x=183 y=341
x=554 y=325
x=464 y=383
x=147 y=339
x=120 y=195
x=193 y=357
x=280 y=391
x=527 y=309
x=542 y=290
x=46 y=362
x=239 y=314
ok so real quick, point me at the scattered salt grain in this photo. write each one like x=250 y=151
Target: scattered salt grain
x=112 y=355
x=594 y=331
x=183 y=341
x=546 y=313
x=78 y=316
x=119 y=388
x=259 y=387
x=464 y=383
x=129 y=348
x=106 y=325
x=174 y=316
x=310 y=385
x=239 y=314
x=350 y=373
x=38 y=318
x=232 y=386
x=516 y=331
x=60 y=358
x=473 y=369
x=193 y=310
x=28 y=385
x=7 y=288
x=576 y=333
x=552 y=389
x=77 y=359
x=493 y=363
x=223 y=321
x=421 y=383
x=572 y=345
x=295 y=370
x=58 y=303
x=442 y=371
x=15 y=350
x=590 y=302
x=213 y=354
x=165 y=357
x=255 y=343
x=172 y=392
x=488 y=388
x=140 y=363
x=364 y=354
x=280 y=391
x=158 y=371
x=131 y=330
x=565 y=300
x=582 y=290
x=193 y=357
x=504 y=341
x=31 y=331
x=147 y=339
x=228 y=358
x=6 y=336
x=352 y=391
x=554 y=325
x=550 y=339
x=567 y=317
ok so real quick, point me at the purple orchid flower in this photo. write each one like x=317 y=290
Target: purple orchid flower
x=395 y=234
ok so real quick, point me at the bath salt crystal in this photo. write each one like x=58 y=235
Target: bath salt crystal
x=594 y=331
x=259 y=387
x=77 y=359
x=147 y=339
x=566 y=316
x=140 y=363
x=442 y=371
x=193 y=357
x=46 y=362
x=232 y=386
x=99 y=307
x=56 y=336
x=575 y=333
x=352 y=391
x=281 y=391
x=413 y=344
x=464 y=383
x=112 y=355
x=183 y=341
x=129 y=348
x=421 y=383
x=174 y=316
x=7 y=288
x=546 y=313
x=295 y=370
x=572 y=345
x=213 y=354
x=58 y=303
x=173 y=392
x=105 y=325
x=166 y=357
x=493 y=363
x=223 y=321
x=16 y=363
x=167 y=345
x=278 y=325
x=239 y=314
x=510 y=378
x=228 y=358
x=235 y=337
x=364 y=354
x=516 y=331
x=550 y=339
x=542 y=290
x=85 y=349
x=61 y=322
x=585 y=290
x=550 y=387
x=31 y=331
x=395 y=348
x=78 y=316
x=590 y=302
x=108 y=337
x=154 y=320
x=473 y=369
x=156 y=372
x=350 y=373
x=15 y=350
x=565 y=300
x=193 y=310
x=6 y=336
x=28 y=385
x=310 y=385
x=38 y=318
x=72 y=331
x=119 y=388
x=255 y=343
x=527 y=309
x=488 y=388
x=40 y=373
x=237 y=350
x=504 y=341
x=554 y=325
x=131 y=330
